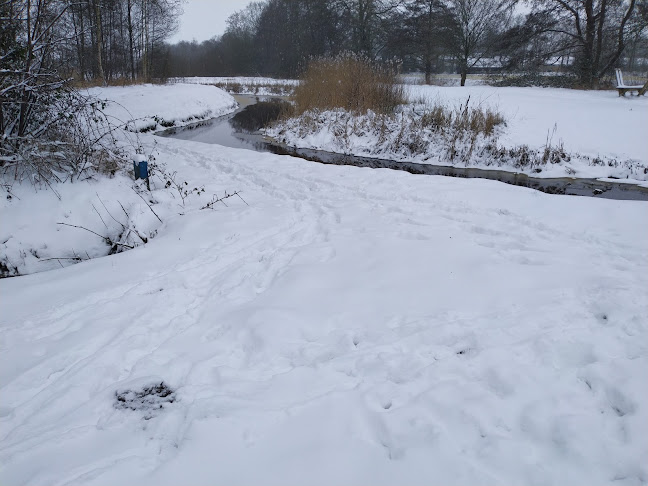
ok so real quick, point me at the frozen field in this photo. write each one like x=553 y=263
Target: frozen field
x=345 y=326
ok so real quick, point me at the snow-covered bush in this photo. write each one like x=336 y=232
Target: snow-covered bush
x=415 y=130
x=48 y=129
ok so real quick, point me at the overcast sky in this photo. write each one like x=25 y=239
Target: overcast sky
x=203 y=19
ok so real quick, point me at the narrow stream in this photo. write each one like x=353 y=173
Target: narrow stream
x=241 y=130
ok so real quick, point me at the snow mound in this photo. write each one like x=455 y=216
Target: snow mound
x=151 y=107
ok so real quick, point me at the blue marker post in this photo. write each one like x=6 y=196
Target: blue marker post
x=140 y=168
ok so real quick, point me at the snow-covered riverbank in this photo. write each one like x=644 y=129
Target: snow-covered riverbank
x=591 y=123
x=31 y=238
x=587 y=134
x=151 y=107
x=346 y=325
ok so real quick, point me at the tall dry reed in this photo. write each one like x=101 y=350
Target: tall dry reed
x=349 y=82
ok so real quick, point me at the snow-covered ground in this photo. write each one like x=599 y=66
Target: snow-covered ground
x=348 y=326
x=152 y=107
x=601 y=134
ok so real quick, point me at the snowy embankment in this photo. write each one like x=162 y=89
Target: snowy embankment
x=593 y=134
x=348 y=326
x=151 y=107
x=34 y=236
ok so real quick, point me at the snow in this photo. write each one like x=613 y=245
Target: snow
x=30 y=235
x=156 y=106
x=603 y=134
x=346 y=325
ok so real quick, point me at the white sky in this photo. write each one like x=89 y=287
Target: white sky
x=204 y=19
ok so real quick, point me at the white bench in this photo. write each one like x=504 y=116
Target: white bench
x=622 y=88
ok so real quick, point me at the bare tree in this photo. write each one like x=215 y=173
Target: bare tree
x=366 y=19
x=477 y=23
x=596 y=31
x=426 y=28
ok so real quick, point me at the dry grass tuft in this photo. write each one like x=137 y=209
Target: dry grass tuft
x=349 y=82
x=463 y=118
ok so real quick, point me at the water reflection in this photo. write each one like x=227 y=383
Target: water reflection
x=237 y=130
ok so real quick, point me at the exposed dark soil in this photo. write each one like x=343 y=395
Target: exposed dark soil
x=148 y=400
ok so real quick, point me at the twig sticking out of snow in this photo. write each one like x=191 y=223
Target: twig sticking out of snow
x=149 y=206
x=216 y=199
x=105 y=238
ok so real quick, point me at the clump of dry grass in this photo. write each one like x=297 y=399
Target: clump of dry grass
x=349 y=82
x=464 y=118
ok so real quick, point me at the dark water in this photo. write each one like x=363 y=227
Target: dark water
x=228 y=130
x=241 y=130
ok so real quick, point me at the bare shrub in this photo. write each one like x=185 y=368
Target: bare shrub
x=349 y=82
x=67 y=135
x=49 y=131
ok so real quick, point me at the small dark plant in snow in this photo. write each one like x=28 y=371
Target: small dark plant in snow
x=221 y=199
x=182 y=188
x=150 y=400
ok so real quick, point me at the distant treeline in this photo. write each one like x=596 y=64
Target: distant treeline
x=278 y=37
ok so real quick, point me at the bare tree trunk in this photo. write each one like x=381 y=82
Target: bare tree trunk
x=587 y=62
x=100 y=67
x=464 y=66
x=620 y=41
x=428 y=69
x=145 y=34
x=130 y=39
x=79 y=38
x=428 y=44
x=599 y=39
x=26 y=94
